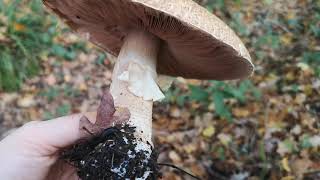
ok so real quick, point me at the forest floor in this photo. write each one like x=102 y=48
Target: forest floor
x=273 y=136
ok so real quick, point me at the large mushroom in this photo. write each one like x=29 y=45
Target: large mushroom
x=151 y=37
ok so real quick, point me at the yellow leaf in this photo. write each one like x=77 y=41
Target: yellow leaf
x=291 y=15
x=241 y=112
x=288 y=178
x=19 y=27
x=308 y=89
x=190 y=148
x=286 y=39
x=83 y=87
x=67 y=78
x=285 y=164
x=225 y=139
x=209 y=131
x=290 y=76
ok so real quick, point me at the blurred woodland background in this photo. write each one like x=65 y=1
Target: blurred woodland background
x=264 y=127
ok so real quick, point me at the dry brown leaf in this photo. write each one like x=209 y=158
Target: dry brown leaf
x=26 y=101
x=174 y=156
x=170 y=176
x=175 y=112
x=300 y=166
x=198 y=170
x=51 y=80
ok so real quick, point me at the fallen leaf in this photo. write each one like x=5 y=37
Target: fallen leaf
x=170 y=176
x=308 y=120
x=225 y=139
x=33 y=114
x=315 y=141
x=71 y=38
x=288 y=178
x=286 y=39
x=209 y=132
x=190 y=148
x=303 y=66
x=285 y=164
x=83 y=87
x=8 y=97
x=241 y=112
x=174 y=156
x=67 y=78
x=26 y=101
x=285 y=147
x=175 y=112
x=291 y=15
x=300 y=167
x=51 y=80
x=296 y=130
x=175 y=125
x=19 y=27
x=198 y=170
x=3 y=37
x=300 y=99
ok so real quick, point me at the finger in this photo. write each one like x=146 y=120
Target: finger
x=60 y=132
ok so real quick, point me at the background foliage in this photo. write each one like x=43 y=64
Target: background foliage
x=265 y=127
x=27 y=38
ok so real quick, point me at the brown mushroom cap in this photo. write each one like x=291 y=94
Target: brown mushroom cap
x=195 y=43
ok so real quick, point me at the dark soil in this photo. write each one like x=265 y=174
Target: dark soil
x=109 y=150
x=112 y=155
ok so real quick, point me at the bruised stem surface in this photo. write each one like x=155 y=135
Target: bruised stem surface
x=139 y=49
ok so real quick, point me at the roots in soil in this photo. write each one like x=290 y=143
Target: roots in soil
x=114 y=154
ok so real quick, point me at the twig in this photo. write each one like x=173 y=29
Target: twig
x=112 y=160
x=183 y=171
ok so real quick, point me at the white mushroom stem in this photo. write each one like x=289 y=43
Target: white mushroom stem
x=134 y=80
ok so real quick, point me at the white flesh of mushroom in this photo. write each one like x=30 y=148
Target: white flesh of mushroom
x=142 y=82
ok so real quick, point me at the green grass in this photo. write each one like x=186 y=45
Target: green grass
x=27 y=37
x=216 y=94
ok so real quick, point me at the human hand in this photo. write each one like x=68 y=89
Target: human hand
x=32 y=151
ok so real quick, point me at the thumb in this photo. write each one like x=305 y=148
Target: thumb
x=61 y=132
x=51 y=135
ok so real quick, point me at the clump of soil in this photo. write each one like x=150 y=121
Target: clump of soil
x=113 y=155
x=111 y=151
